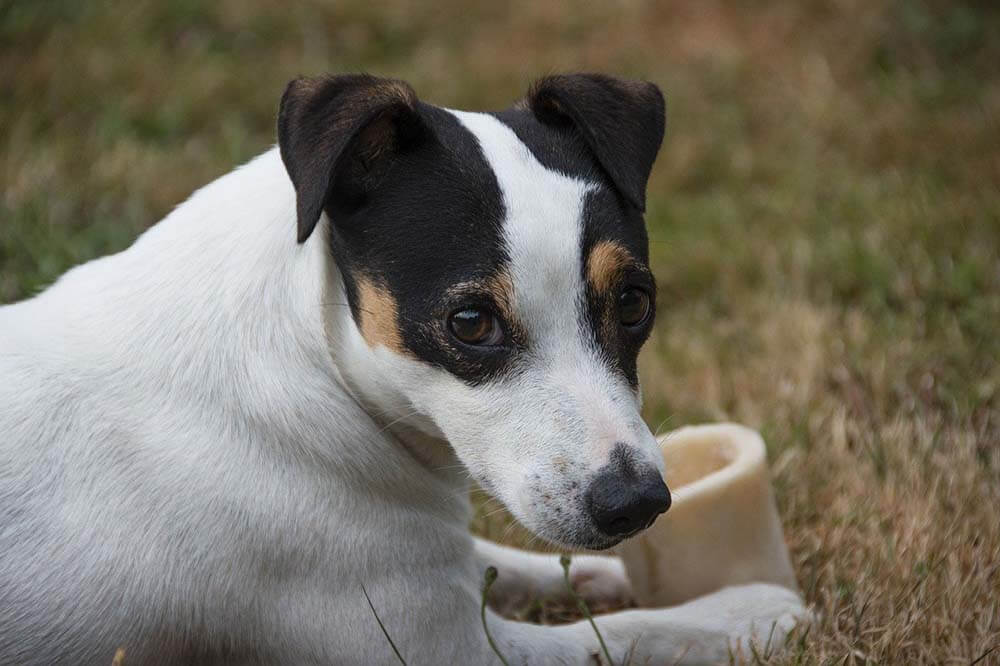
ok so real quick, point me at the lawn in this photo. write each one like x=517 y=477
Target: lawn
x=824 y=216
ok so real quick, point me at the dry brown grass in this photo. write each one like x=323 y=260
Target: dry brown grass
x=825 y=219
x=890 y=505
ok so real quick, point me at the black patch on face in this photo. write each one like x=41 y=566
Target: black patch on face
x=338 y=126
x=433 y=221
x=557 y=147
x=417 y=211
x=605 y=219
x=607 y=216
x=621 y=122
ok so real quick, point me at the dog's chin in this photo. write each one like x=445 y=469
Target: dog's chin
x=603 y=543
x=587 y=539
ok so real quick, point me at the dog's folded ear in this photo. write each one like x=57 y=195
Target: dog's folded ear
x=621 y=121
x=336 y=134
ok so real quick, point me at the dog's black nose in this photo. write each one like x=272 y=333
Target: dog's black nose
x=623 y=502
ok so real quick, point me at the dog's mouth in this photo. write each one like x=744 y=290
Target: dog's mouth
x=603 y=541
x=588 y=509
x=610 y=510
x=589 y=539
x=579 y=533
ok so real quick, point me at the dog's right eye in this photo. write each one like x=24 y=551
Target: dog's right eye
x=475 y=326
x=633 y=306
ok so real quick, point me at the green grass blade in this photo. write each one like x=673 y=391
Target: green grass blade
x=489 y=578
x=382 y=627
x=564 y=560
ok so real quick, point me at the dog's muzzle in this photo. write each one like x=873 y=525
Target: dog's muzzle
x=624 y=499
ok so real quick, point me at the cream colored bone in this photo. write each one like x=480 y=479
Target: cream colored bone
x=723 y=528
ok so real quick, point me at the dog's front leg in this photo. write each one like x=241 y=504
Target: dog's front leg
x=524 y=576
x=707 y=630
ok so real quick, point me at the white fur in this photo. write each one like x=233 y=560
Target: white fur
x=197 y=446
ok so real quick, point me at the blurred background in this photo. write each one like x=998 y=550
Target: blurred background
x=824 y=217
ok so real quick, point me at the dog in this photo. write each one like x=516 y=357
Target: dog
x=248 y=438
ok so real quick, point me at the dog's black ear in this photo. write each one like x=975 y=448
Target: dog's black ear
x=622 y=122
x=335 y=134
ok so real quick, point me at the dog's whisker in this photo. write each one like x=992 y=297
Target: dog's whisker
x=508 y=531
x=656 y=433
x=494 y=512
x=448 y=468
x=397 y=420
x=391 y=409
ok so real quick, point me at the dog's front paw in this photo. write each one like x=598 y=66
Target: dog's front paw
x=712 y=629
x=601 y=582
x=762 y=614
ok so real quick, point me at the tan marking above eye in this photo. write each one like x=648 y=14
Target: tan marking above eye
x=379 y=316
x=501 y=287
x=605 y=264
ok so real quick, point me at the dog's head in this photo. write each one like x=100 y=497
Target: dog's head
x=496 y=272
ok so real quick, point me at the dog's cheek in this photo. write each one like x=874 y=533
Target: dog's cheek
x=482 y=424
x=377 y=316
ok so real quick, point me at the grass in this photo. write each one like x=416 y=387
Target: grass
x=489 y=577
x=381 y=626
x=564 y=562
x=825 y=219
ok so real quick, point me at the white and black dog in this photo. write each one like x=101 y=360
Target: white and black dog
x=213 y=443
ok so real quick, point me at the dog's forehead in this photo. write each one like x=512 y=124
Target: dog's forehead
x=542 y=228
x=498 y=204
x=565 y=230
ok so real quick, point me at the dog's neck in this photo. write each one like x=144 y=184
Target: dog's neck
x=358 y=374
x=223 y=302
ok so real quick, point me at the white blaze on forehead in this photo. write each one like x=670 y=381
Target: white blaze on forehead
x=542 y=230
x=574 y=396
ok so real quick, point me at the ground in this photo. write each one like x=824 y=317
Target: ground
x=825 y=224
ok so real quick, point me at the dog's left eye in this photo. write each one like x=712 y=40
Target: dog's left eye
x=633 y=306
x=475 y=326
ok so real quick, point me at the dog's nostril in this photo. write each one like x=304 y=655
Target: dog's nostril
x=620 y=524
x=621 y=504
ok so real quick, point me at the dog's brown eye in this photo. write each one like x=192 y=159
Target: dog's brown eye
x=633 y=306
x=475 y=327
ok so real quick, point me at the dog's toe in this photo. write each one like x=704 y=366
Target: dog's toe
x=601 y=582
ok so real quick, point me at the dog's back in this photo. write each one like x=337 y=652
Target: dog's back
x=116 y=435
x=51 y=397
x=179 y=459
